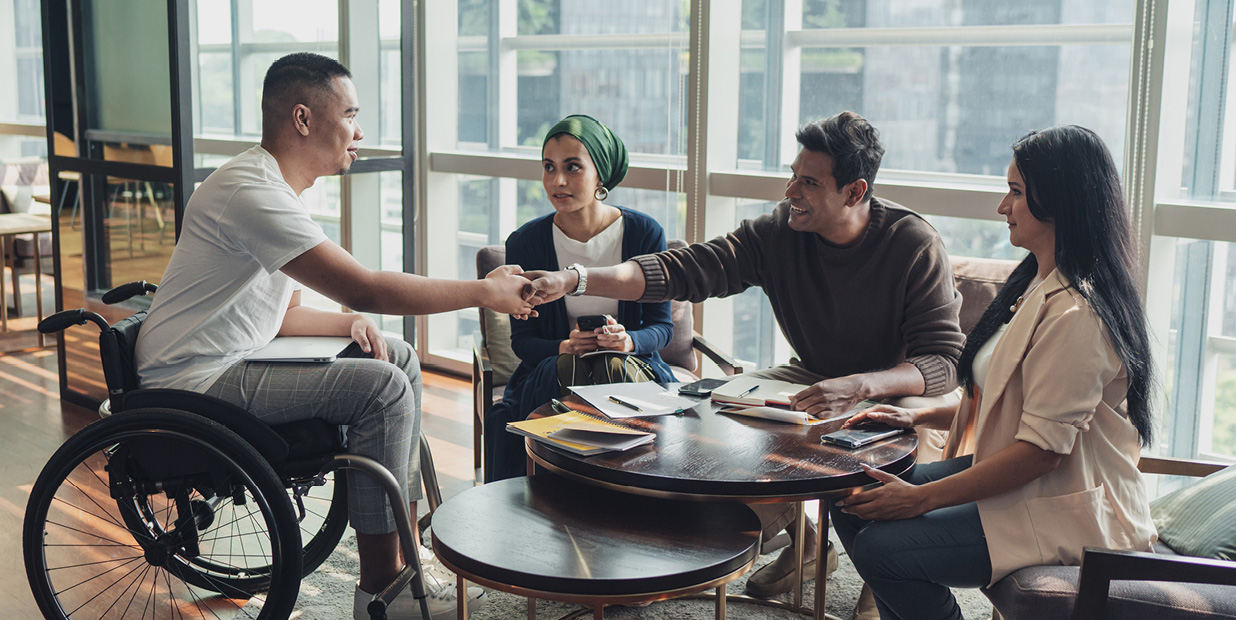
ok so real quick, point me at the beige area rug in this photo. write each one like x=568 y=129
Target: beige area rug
x=327 y=595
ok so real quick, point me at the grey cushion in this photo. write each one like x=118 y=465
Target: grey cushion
x=978 y=280
x=497 y=332
x=1200 y=519
x=679 y=351
x=1049 y=591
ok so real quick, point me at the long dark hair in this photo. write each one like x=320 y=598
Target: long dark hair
x=1072 y=182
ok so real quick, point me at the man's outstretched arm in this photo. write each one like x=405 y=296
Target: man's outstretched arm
x=331 y=271
x=624 y=282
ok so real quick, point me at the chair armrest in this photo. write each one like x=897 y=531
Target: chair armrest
x=482 y=377
x=1178 y=467
x=1101 y=566
x=727 y=364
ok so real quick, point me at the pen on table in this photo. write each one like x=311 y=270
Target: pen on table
x=749 y=390
x=624 y=403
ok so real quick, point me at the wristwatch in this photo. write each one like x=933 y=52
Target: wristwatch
x=583 y=279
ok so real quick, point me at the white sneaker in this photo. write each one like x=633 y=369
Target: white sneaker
x=433 y=566
x=440 y=594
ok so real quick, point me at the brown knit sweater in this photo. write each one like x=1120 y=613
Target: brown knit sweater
x=868 y=306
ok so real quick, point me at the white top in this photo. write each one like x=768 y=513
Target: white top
x=223 y=296
x=982 y=359
x=602 y=250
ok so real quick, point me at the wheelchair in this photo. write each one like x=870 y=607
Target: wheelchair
x=179 y=505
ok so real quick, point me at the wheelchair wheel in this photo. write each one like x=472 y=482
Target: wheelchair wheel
x=325 y=519
x=159 y=513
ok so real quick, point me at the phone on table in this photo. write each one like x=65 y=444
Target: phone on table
x=852 y=438
x=702 y=388
x=590 y=322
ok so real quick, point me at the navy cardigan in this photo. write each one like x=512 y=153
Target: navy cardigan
x=532 y=247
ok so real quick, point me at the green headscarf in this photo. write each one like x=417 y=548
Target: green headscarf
x=607 y=151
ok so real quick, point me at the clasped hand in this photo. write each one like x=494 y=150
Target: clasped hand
x=548 y=286
x=518 y=291
x=511 y=292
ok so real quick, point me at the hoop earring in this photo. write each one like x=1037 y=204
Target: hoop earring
x=601 y=193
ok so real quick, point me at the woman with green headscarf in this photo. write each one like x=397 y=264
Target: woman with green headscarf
x=582 y=160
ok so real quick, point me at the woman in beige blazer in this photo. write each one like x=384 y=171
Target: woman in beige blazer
x=1057 y=376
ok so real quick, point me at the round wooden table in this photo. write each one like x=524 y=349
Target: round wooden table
x=710 y=456
x=546 y=537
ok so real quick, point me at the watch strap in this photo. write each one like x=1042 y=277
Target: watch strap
x=583 y=279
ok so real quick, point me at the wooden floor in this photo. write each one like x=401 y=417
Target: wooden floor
x=34 y=422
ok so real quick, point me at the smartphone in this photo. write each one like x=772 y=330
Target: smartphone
x=852 y=438
x=590 y=322
x=702 y=388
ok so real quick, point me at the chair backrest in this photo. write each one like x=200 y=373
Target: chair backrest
x=117 y=349
x=678 y=352
x=978 y=280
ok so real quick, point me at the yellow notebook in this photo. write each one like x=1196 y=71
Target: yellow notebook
x=580 y=433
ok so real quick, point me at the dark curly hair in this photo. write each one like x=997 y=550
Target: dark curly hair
x=853 y=144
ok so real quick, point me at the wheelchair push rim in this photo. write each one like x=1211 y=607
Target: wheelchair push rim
x=174 y=532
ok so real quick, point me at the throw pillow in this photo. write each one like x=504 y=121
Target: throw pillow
x=1200 y=519
x=498 y=340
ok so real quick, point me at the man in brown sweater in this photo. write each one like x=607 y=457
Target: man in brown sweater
x=861 y=288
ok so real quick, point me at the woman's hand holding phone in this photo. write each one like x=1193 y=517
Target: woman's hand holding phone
x=614 y=337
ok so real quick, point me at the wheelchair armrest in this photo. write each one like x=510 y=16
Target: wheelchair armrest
x=1101 y=566
x=728 y=365
x=268 y=443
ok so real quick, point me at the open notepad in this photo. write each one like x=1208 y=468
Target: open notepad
x=781 y=414
x=756 y=391
x=633 y=400
x=581 y=433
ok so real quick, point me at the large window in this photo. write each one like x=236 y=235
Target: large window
x=519 y=68
x=21 y=69
x=1195 y=260
x=707 y=96
x=951 y=84
x=237 y=41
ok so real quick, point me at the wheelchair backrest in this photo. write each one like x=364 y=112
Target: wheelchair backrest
x=117 y=349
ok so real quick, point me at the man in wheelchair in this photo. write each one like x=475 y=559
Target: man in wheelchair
x=247 y=246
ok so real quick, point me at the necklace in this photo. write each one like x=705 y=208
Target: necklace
x=1020 y=298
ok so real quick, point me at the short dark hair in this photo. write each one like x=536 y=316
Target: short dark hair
x=853 y=144
x=295 y=78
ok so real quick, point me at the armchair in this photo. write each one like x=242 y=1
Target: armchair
x=1163 y=585
x=493 y=361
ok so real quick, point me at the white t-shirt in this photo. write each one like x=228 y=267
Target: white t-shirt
x=223 y=296
x=603 y=250
x=982 y=358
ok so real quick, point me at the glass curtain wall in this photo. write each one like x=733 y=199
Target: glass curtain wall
x=519 y=68
x=237 y=40
x=951 y=84
x=1195 y=259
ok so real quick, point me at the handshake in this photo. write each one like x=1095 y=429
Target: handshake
x=513 y=291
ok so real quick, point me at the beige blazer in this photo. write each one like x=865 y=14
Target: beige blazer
x=1056 y=382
